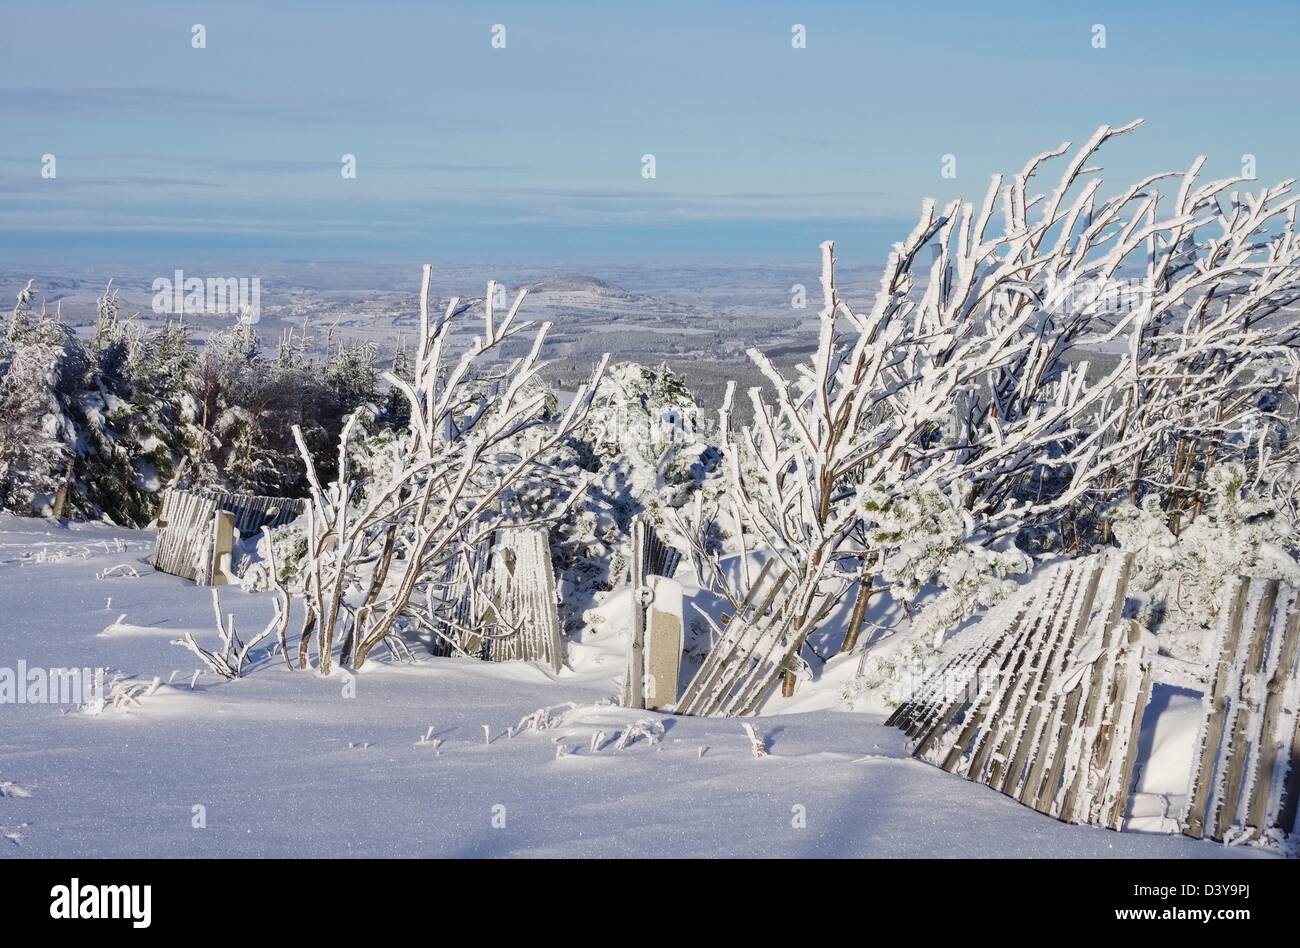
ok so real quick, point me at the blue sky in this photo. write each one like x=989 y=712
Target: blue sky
x=532 y=153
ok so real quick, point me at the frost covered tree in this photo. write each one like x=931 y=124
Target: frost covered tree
x=99 y=427
x=647 y=436
x=962 y=377
x=929 y=537
x=38 y=436
x=20 y=316
x=644 y=446
x=133 y=412
x=380 y=555
x=248 y=404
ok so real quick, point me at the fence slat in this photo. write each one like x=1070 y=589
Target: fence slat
x=1217 y=703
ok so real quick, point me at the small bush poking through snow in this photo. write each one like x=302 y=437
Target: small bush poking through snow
x=928 y=538
x=1184 y=578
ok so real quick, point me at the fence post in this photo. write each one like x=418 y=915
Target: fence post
x=223 y=546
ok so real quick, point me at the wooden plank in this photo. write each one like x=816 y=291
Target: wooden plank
x=1287 y=673
x=1011 y=728
x=717 y=674
x=1021 y=734
x=975 y=720
x=184 y=535
x=1235 y=759
x=742 y=656
x=1269 y=741
x=551 y=605
x=911 y=712
x=731 y=632
x=773 y=649
x=1206 y=768
x=1074 y=781
x=634 y=696
x=1045 y=739
x=927 y=715
x=771 y=660
x=220 y=569
x=1117 y=795
x=1290 y=797
x=663 y=653
x=1109 y=740
x=519 y=613
x=939 y=727
x=1042 y=793
x=936 y=697
x=1009 y=648
x=1063 y=792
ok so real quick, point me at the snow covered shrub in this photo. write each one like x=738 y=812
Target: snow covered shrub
x=248 y=405
x=396 y=553
x=645 y=434
x=886 y=677
x=927 y=537
x=100 y=427
x=588 y=551
x=288 y=549
x=588 y=544
x=1183 y=578
x=642 y=448
x=132 y=408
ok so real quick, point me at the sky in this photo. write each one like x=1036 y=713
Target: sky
x=534 y=153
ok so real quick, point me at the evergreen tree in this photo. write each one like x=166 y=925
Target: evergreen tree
x=19 y=319
x=38 y=437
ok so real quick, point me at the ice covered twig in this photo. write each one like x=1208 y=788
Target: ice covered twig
x=648 y=728
x=229 y=662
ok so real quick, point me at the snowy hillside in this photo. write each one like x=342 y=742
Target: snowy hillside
x=283 y=764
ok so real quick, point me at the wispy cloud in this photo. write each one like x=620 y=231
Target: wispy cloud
x=52 y=102
x=33 y=183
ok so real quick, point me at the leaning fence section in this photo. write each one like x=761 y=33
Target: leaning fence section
x=524 y=609
x=498 y=602
x=750 y=654
x=1046 y=706
x=252 y=512
x=197 y=530
x=185 y=525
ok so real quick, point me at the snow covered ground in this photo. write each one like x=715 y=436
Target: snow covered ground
x=287 y=764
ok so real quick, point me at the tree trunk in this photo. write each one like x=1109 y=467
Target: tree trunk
x=866 y=589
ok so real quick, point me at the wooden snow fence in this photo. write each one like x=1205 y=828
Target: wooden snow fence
x=505 y=606
x=185 y=526
x=196 y=530
x=656 y=614
x=651 y=556
x=1046 y=707
x=252 y=512
x=1246 y=777
x=751 y=654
